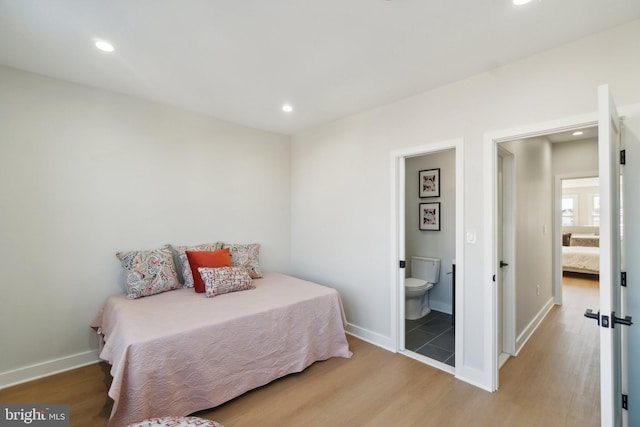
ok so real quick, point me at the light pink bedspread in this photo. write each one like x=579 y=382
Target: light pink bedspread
x=178 y=352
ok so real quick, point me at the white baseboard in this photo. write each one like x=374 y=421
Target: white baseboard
x=44 y=369
x=442 y=307
x=522 y=339
x=502 y=359
x=371 y=337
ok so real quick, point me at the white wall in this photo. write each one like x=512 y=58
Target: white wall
x=341 y=178
x=575 y=157
x=436 y=244
x=533 y=192
x=85 y=173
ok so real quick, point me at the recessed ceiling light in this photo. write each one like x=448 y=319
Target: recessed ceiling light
x=104 y=46
x=520 y=2
x=287 y=108
x=577 y=133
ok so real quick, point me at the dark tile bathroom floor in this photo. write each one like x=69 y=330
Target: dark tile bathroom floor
x=432 y=336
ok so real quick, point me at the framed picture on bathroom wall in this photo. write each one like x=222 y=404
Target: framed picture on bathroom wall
x=429 y=216
x=429 y=183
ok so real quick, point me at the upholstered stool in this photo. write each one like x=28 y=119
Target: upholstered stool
x=176 y=422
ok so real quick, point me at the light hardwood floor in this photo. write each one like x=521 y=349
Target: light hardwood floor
x=553 y=382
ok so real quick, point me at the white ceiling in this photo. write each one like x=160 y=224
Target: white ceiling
x=240 y=60
x=590 y=132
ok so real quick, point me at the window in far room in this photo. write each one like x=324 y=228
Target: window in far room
x=580 y=202
x=594 y=210
x=569 y=208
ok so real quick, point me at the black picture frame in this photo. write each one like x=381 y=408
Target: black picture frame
x=429 y=216
x=429 y=183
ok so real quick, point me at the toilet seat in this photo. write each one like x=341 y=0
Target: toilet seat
x=416 y=284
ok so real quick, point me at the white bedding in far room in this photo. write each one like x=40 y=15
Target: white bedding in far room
x=581 y=259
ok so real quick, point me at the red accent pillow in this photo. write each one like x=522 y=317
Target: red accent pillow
x=207 y=259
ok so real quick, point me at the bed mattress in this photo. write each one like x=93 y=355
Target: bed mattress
x=581 y=259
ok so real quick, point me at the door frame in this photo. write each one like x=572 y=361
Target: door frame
x=491 y=141
x=397 y=246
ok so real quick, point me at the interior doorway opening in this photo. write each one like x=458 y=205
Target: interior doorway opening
x=577 y=219
x=430 y=194
x=412 y=238
x=528 y=291
x=529 y=226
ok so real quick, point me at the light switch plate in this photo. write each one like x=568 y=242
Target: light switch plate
x=471 y=236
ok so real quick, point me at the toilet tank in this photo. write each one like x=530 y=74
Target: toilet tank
x=425 y=268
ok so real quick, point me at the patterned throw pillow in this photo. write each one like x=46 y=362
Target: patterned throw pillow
x=247 y=256
x=149 y=272
x=176 y=422
x=184 y=262
x=223 y=280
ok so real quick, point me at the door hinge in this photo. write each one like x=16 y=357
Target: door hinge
x=625 y=402
x=623 y=278
x=402 y=263
x=623 y=157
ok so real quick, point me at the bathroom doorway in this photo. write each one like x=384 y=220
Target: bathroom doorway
x=430 y=187
x=433 y=338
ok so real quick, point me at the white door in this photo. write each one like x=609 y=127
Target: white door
x=610 y=261
x=506 y=257
x=502 y=260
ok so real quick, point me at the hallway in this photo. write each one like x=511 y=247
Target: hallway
x=560 y=365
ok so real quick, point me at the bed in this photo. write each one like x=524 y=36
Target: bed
x=177 y=352
x=580 y=250
x=581 y=259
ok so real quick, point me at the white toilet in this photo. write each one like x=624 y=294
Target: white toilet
x=426 y=273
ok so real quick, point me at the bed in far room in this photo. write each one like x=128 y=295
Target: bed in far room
x=581 y=250
x=178 y=352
